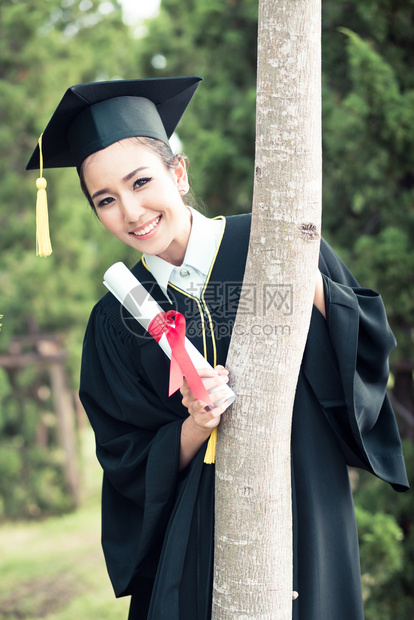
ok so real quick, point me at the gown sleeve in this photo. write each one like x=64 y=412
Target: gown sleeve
x=137 y=444
x=346 y=364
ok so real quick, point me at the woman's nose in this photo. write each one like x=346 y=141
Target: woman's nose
x=131 y=208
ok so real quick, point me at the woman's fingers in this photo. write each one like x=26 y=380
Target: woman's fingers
x=204 y=416
x=200 y=406
x=221 y=370
x=212 y=377
x=201 y=412
x=215 y=382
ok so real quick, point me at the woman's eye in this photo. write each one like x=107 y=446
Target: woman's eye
x=142 y=181
x=105 y=201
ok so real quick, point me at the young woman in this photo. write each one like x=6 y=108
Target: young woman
x=158 y=493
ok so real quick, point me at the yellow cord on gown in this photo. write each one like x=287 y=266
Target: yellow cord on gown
x=43 y=244
x=210 y=455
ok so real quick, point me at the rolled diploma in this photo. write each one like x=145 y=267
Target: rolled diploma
x=129 y=291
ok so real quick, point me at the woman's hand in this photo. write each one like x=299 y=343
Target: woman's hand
x=202 y=420
x=201 y=413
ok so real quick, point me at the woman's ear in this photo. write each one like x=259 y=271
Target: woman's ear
x=181 y=177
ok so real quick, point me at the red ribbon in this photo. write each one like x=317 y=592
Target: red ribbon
x=172 y=324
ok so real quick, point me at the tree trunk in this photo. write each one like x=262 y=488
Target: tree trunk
x=66 y=428
x=253 y=538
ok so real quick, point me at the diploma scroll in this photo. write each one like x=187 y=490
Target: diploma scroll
x=129 y=291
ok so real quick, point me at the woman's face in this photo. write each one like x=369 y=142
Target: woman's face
x=137 y=198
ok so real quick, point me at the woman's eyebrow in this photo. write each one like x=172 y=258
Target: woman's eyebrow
x=125 y=179
x=133 y=173
x=99 y=192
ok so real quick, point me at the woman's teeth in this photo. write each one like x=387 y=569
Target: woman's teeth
x=148 y=228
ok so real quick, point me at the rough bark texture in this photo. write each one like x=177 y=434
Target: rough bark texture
x=253 y=539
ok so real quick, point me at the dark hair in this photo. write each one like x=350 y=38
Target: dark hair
x=161 y=149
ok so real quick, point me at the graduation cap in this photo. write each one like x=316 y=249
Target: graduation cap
x=91 y=117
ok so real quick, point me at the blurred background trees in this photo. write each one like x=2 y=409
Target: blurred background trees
x=44 y=48
x=368 y=215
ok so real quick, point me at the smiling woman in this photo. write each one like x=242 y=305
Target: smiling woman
x=158 y=487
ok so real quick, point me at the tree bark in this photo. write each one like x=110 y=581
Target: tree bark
x=253 y=537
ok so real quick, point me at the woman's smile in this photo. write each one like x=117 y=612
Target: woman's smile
x=148 y=230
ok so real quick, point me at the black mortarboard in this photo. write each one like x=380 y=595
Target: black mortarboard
x=92 y=116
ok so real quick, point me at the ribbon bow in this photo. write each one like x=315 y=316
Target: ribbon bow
x=172 y=324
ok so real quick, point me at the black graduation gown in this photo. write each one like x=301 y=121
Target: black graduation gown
x=157 y=523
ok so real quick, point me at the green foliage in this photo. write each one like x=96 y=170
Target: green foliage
x=386 y=533
x=31 y=481
x=387 y=261
x=368 y=150
x=380 y=546
x=45 y=48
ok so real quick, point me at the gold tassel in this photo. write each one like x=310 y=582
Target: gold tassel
x=210 y=455
x=43 y=244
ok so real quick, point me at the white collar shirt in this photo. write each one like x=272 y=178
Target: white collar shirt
x=191 y=276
